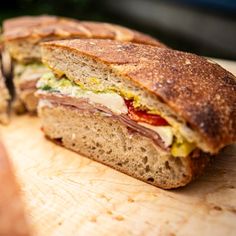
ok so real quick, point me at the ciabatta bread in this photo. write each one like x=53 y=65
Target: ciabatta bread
x=153 y=113
x=22 y=35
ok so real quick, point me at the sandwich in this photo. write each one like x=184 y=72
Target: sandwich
x=153 y=113
x=4 y=98
x=23 y=35
x=12 y=217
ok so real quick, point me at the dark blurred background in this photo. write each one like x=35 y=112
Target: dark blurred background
x=205 y=27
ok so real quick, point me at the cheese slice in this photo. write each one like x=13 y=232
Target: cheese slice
x=113 y=101
x=165 y=132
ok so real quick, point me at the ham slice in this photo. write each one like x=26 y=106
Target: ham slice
x=84 y=105
x=31 y=84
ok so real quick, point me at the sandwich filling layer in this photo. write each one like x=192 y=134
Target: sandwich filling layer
x=64 y=92
x=27 y=75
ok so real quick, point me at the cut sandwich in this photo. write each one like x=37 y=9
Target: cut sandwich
x=12 y=217
x=23 y=35
x=155 y=114
x=4 y=98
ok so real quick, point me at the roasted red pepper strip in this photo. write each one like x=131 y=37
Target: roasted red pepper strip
x=143 y=116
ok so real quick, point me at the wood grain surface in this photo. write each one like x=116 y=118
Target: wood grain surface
x=67 y=194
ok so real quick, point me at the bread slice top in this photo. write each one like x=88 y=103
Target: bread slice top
x=43 y=27
x=196 y=90
x=12 y=218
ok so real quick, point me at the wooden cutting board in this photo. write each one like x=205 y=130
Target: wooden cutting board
x=67 y=194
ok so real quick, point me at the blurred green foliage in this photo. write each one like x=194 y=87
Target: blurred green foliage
x=81 y=9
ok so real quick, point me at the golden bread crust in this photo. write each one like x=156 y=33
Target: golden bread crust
x=43 y=27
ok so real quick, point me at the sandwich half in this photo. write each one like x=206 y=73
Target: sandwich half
x=23 y=35
x=153 y=113
x=12 y=217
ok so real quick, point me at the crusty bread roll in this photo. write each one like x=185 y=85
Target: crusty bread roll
x=153 y=113
x=12 y=218
x=23 y=35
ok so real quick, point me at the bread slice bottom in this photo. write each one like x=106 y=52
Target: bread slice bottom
x=106 y=140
